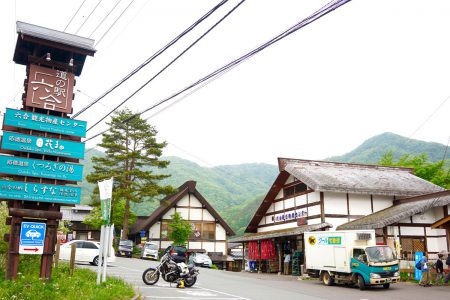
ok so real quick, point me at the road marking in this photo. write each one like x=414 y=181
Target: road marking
x=238 y=297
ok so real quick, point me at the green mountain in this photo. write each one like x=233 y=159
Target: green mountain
x=373 y=149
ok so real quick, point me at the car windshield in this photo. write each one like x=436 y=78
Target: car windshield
x=126 y=243
x=151 y=246
x=380 y=254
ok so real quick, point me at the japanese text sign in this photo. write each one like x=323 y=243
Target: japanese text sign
x=42 y=145
x=41 y=122
x=50 y=89
x=40 y=168
x=31 y=191
x=32 y=236
x=329 y=240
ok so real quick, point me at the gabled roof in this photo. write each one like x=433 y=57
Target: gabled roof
x=396 y=213
x=170 y=201
x=323 y=176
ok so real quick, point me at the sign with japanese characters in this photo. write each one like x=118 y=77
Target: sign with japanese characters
x=32 y=236
x=40 y=168
x=42 y=145
x=50 y=89
x=30 y=191
x=329 y=240
x=41 y=122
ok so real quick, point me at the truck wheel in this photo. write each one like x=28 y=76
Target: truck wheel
x=386 y=285
x=326 y=278
x=361 y=284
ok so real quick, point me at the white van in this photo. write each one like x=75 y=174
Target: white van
x=150 y=250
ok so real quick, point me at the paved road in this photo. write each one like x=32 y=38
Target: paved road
x=221 y=285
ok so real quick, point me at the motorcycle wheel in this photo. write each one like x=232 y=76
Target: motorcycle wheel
x=150 y=276
x=190 y=281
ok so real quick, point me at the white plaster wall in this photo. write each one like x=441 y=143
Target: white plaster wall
x=221 y=247
x=435 y=232
x=437 y=244
x=269 y=219
x=314 y=221
x=262 y=222
x=184 y=212
x=169 y=213
x=360 y=204
x=381 y=202
x=184 y=201
x=195 y=202
x=220 y=232
x=279 y=206
x=438 y=213
x=207 y=216
x=314 y=210
x=289 y=203
x=335 y=203
x=280 y=194
x=195 y=214
x=411 y=231
x=195 y=245
x=426 y=217
x=277 y=227
x=154 y=231
x=336 y=222
x=290 y=179
x=209 y=246
x=300 y=200
x=407 y=220
x=313 y=197
x=165 y=244
x=271 y=208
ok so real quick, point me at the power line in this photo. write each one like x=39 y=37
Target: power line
x=168 y=65
x=331 y=6
x=74 y=15
x=151 y=58
x=85 y=20
x=114 y=23
x=107 y=15
x=429 y=117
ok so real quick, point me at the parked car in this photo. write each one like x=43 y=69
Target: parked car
x=125 y=248
x=150 y=250
x=87 y=251
x=178 y=253
x=200 y=259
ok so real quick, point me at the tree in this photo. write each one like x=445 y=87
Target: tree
x=180 y=230
x=433 y=172
x=132 y=155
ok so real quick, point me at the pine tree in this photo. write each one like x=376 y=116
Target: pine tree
x=132 y=155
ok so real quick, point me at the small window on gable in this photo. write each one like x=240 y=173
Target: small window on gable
x=295 y=189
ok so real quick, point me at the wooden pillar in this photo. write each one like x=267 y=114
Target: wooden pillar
x=243 y=258
x=322 y=208
x=12 y=258
x=280 y=258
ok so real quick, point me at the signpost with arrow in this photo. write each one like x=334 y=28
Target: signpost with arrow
x=32 y=236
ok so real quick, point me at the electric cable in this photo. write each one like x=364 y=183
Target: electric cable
x=114 y=23
x=151 y=58
x=85 y=20
x=74 y=15
x=331 y=6
x=168 y=65
x=103 y=20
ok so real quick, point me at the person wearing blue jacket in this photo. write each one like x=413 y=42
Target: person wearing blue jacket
x=425 y=279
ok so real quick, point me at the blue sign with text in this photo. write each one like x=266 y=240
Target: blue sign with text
x=417 y=258
x=31 y=191
x=32 y=236
x=40 y=168
x=42 y=145
x=49 y=123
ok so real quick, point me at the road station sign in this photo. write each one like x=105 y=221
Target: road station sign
x=32 y=237
x=42 y=145
x=40 y=168
x=41 y=122
x=30 y=191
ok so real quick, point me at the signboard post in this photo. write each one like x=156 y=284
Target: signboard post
x=105 y=190
x=32 y=236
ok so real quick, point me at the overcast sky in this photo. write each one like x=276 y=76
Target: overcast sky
x=367 y=68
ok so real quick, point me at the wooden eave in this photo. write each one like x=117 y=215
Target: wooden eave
x=442 y=223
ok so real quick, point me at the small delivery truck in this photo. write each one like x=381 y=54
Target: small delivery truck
x=350 y=257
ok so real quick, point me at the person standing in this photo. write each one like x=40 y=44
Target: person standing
x=425 y=280
x=439 y=269
x=447 y=262
x=287 y=260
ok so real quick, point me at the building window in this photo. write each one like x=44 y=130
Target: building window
x=165 y=230
x=209 y=231
x=295 y=189
x=196 y=231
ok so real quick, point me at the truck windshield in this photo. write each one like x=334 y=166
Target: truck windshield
x=380 y=254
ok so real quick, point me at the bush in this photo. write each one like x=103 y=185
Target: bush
x=214 y=267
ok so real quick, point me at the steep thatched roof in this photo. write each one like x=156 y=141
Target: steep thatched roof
x=394 y=214
x=325 y=176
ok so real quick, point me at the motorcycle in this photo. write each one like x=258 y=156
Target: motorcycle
x=171 y=271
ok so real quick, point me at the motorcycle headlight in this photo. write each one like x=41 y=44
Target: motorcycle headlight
x=396 y=274
x=375 y=275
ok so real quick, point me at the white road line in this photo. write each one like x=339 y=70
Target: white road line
x=231 y=295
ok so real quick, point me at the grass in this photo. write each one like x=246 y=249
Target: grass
x=82 y=285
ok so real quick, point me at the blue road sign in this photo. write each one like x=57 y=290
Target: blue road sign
x=32 y=236
x=142 y=233
x=41 y=122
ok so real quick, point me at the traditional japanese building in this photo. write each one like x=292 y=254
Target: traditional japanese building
x=318 y=195
x=210 y=231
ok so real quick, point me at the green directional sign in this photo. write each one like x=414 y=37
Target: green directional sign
x=40 y=168
x=29 y=191
x=41 y=122
x=42 y=145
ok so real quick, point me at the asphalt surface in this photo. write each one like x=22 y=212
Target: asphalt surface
x=221 y=285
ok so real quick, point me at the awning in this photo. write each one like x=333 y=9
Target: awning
x=279 y=233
